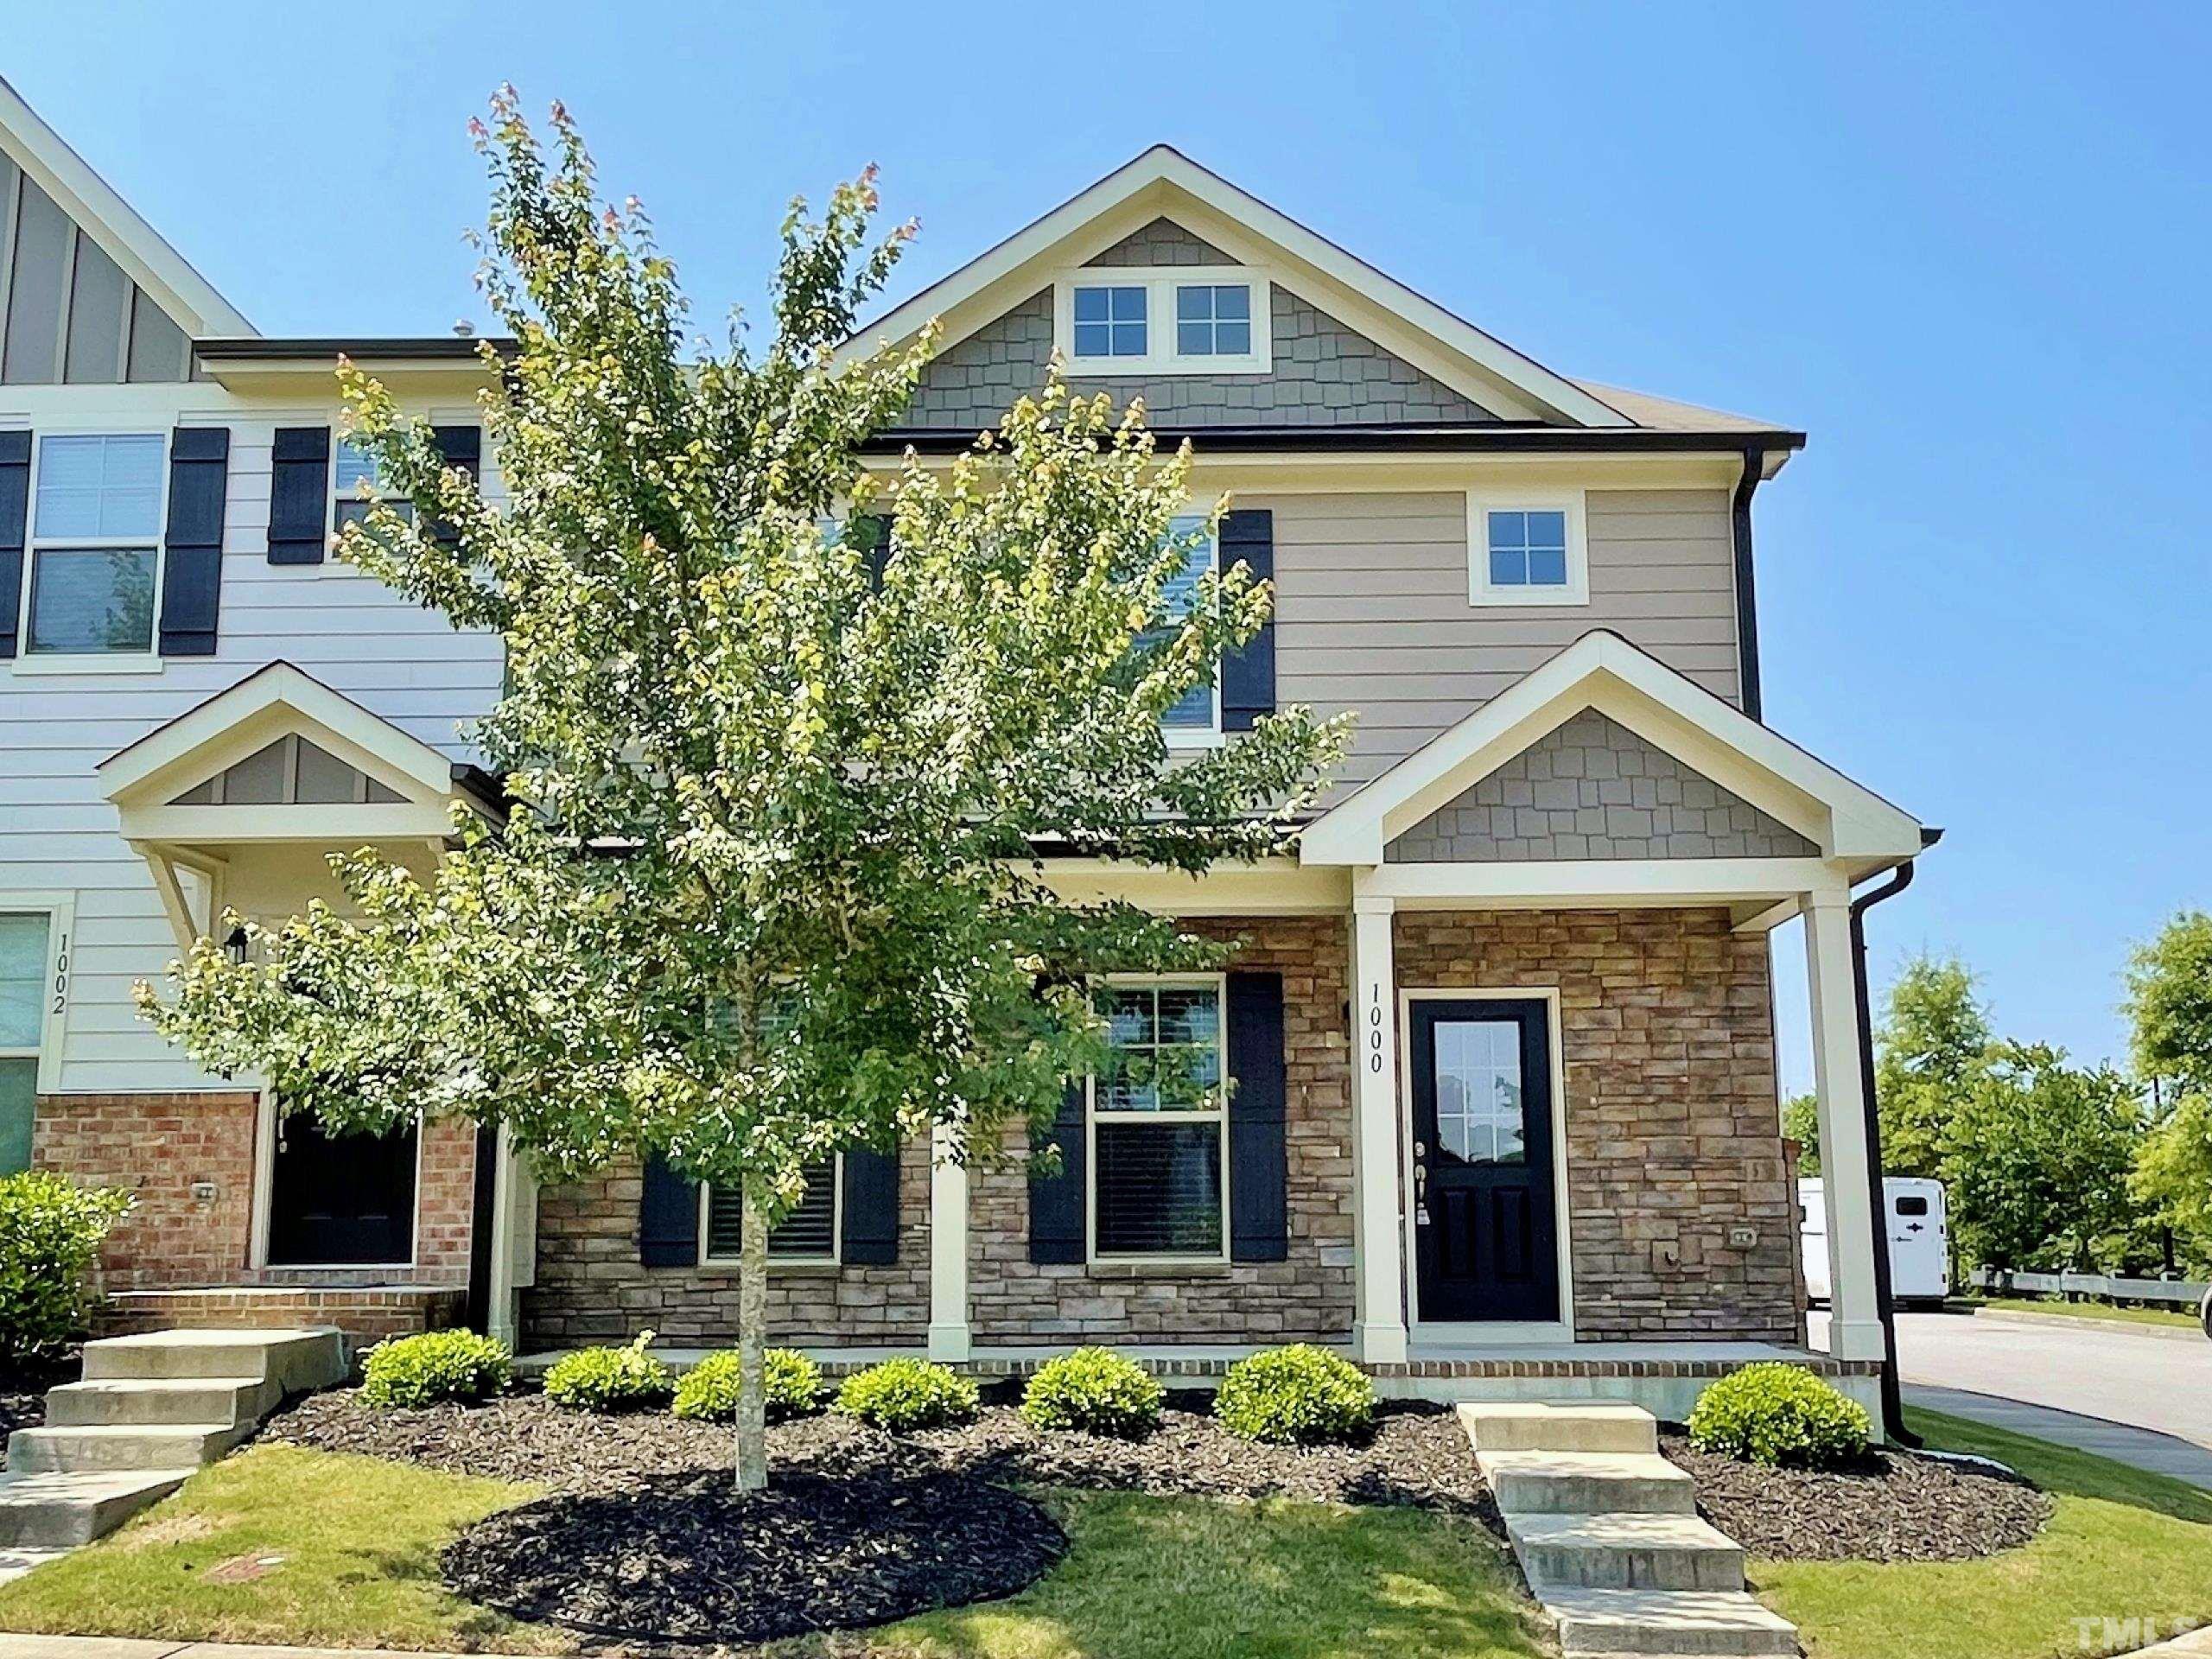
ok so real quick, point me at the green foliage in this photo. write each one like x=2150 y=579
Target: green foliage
x=1931 y=1043
x=2172 y=1176
x=408 y=1372
x=51 y=1231
x=1779 y=1413
x=707 y=1392
x=2169 y=1004
x=1800 y=1121
x=608 y=1379
x=1096 y=1391
x=2036 y=1158
x=1298 y=1396
x=905 y=1394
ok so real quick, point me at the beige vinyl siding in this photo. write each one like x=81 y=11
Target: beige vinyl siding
x=1372 y=611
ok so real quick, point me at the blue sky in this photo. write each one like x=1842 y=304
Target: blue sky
x=1964 y=247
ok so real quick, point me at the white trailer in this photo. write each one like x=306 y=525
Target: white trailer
x=1919 y=1232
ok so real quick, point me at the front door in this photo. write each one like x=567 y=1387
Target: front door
x=340 y=1200
x=1485 y=1222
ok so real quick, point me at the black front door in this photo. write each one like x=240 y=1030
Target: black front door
x=340 y=1200
x=1485 y=1228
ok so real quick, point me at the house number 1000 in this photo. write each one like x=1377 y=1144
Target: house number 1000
x=1375 y=1027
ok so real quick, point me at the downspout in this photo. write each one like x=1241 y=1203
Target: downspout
x=1885 y=1304
x=1747 y=608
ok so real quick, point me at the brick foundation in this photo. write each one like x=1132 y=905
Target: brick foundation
x=365 y=1314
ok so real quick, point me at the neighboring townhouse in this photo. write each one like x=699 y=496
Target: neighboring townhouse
x=1501 y=1031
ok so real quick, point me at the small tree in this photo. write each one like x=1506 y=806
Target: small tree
x=1930 y=1047
x=773 y=894
x=1800 y=1121
x=2169 y=1009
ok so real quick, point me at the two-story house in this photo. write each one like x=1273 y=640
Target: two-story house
x=1501 y=1030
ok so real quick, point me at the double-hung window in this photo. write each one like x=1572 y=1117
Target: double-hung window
x=96 y=538
x=1195 y=717
x=1163 y=319
x=1159 y=1123
x=806 y=1235
x=352 y=467
x=1527 y=548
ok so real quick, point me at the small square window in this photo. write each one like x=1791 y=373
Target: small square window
x=1528 y=549
x=1110 y=322
x=1213 y=320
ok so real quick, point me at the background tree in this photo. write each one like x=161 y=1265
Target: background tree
x=1800 y=1121
x=2169 y=1008
x=1931 y=1046
x=773 y=895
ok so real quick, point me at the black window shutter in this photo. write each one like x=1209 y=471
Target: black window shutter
x=1057 y=1206
x=1247 y=676
x=871 y=533
x=1259 y=1221
x=462 y=446
x=668 y=1217
x=298 y=495
x=192 y=552
x=870 y=1223
x=14 y=517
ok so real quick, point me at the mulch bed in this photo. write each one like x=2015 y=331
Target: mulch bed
x=1418 y=1455
x=685 y=1558
x=23 y=1392
x=1895 y=1507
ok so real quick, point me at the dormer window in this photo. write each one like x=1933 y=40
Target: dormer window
x=1160 y=319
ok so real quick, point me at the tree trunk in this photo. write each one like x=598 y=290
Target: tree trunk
x=752 y=1342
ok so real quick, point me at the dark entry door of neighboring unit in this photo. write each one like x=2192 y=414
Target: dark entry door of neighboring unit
x=340 y=1200
x=1485 y=1232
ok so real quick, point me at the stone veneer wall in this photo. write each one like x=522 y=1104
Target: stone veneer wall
x=1673 y=1131
x=161 y=1146
x=1308 y=1296
x=592 y=1287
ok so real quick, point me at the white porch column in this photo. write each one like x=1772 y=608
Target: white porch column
x=1378 y=1332
x=1854 y=1325
x=948 y=1335
x=514 y=1240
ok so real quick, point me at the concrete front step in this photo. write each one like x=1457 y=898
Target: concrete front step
x=46 y=1510
x=1651 y=1623
x=1587 y=1483
x=1531 y=1426
x=229 y=1403
x=1626 y=1551
x=294 y=1360
x=84 y=1449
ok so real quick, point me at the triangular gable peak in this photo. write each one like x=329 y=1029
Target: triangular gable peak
x=1163 y=209
x=89 y=292
x=1772 y=790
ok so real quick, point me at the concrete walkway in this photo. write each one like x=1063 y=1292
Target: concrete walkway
x=2139 y=1448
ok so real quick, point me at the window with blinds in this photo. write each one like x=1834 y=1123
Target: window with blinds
x=809 y=1233
x=1159 y=1123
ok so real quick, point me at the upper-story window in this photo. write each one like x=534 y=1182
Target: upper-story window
x=1161 y=320
x=351 y=468
x=96 y=535
x=1195 y=717
x=1527 y=548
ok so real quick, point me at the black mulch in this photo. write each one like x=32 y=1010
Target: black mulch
x=1894 y=1507
x=684 y=1558
x=23 y=1391
x=1417 y=1455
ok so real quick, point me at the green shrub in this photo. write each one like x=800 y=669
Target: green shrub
x=902 y=1394
x=1778 y=1414
x=411 y=1371
x=707 y=1392
x=1295 y=1396
x=1096 y=1391
x=608 y=1379
x=51 y=1231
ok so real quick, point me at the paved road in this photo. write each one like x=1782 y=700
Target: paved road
x=2102 y=1373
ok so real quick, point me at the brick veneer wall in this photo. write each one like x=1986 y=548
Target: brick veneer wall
x=1307 y=1296
x=161 y=1146
x=592 y=1287
x=1672 y=1132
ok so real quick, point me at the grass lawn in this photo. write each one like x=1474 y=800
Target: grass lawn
x=2092 y=1311
x=2122 y=1545
x=284 y=1544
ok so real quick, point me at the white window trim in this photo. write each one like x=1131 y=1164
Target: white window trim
x=1482 y=503
x=1218 y=983
x=1209 y=736
x=836 y=1256
x=331 y=565
x=60 y=912
x=1160 y=283
x=149 y=661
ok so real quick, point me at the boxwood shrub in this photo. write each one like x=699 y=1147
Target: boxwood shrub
x=903 y=1395
x=608 y=1379
x=707 y=1392
x=51 y=1231
x=1299 y=1395
x=408 y=1372
x=1781 y=1415
x=1094 y=1390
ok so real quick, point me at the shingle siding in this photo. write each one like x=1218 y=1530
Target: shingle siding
x=1593 y=789
x=1163 y=242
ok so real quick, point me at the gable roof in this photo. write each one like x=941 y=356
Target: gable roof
x=166 y=276
x=1602 y=670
